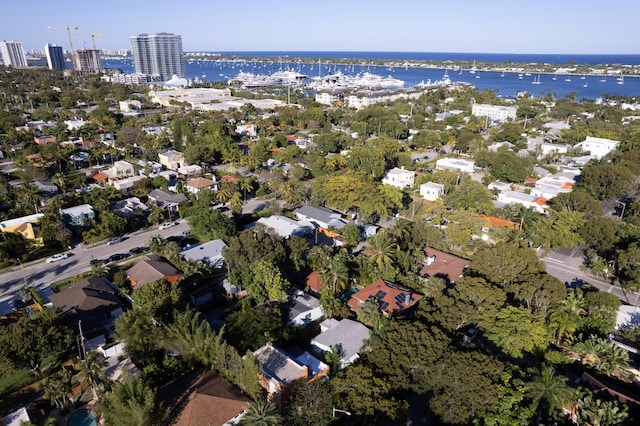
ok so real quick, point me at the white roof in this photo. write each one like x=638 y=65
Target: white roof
x=32 y=218
x=209 y=252
x=76 y=210
x=348 y=336
x=286 y=227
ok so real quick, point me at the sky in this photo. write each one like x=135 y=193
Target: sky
x=479 y=26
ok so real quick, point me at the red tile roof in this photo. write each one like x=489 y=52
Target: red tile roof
x=443 y=265
x=393 y=299
x=230 y=178
x=199 y=183
x=100 y=177
x=496 y=221
x=541 y=201
x=314 y=282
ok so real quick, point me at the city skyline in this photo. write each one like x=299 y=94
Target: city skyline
x=491 y=26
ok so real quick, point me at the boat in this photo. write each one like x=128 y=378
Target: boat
x=473 y=68
x=603 y=79
x=554 y=78
x=568 y=79
x=536 y=80
x=582 y=77
x=502 y=75
x=620 y=80
x=586 y=84
x=520 y=76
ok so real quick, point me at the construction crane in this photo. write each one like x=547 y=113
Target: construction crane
x=93 y=39
x=68 y=28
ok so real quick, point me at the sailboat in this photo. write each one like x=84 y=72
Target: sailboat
x=586 y=84
x=568 y=79
x=603 y=79
x=473 y=68
x=621 y=79
x=536 y=80
x=582 y=77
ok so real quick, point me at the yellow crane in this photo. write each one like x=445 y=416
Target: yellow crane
x=68 y=28
x=93 y=38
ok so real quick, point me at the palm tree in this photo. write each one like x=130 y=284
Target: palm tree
x=563 y=324
x=261 y=413
x=91 y=373
x=595 y=412
x=548 y=392
x=336 y=274
x=56 y=389
x=131 y=403
x=381 y=249
x=29 y=195
x=246 y=185
x=235 y=202
x=223 y=195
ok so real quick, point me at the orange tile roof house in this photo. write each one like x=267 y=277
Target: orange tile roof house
x=151 y=268
x=443 y=265
x=393 y=299
x=198 y=184
x=314 y=282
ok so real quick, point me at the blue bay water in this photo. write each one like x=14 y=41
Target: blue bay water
x=509 y=84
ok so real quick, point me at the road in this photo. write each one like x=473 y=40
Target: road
x=40 y=274
x=565 y=264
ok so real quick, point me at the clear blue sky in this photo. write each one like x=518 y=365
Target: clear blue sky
x=482 y=26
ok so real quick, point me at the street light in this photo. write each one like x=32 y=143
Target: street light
x=335 y=410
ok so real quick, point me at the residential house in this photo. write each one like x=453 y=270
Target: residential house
x=130 y=207
x=431 y=191
x=27 y=226
x=346 y=337
x=597 y=147
x=89 y=301
x=281 y=374
x=198 y=184
x=285 y=227
x=18 y=417
x=314 y=282
x=210 y=400
x=302 y=309
x=400 y=178
x=151 y=268
x=78 y=216
x=393 y=299
x=209 y=253
x=494 y=112
x=493 y=221
x=126 y=183
x=45 y=139
x=535 y=202
x=552 y=185
x=494 y=147
x=248 y=130
x=320 y=216
x=171 y=159
x=46 y=188
x=456 y=165
x=121 y=169
x=130 y=105
x=190 y=170
x=443 y=265
x=553 y=148
x=149 y=168
x=168 y=200
x=74 y=124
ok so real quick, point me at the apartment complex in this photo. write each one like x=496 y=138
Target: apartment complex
x=55 y=56
x=13 y=54
x=158 y=54
x=89 y=61
x=494 y=112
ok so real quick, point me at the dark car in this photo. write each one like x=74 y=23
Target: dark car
x=96 y=262
x=139 y=250
x=117 y=256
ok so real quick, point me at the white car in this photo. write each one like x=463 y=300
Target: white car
x=57 y=257
x=167 y=225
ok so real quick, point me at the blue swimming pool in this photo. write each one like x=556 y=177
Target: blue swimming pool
x=82 y=417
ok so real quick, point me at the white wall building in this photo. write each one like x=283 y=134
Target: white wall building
x=455 y=164
x=553 y=148
x=13 y=54
x=539 y=204
x=159 y=54
x=494 y=112
x=400 y=178
x=597 y=147
x=431 y=191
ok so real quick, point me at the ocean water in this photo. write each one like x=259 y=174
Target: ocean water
x=505 y=84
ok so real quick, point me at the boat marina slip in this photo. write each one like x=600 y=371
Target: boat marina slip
x=317 y=74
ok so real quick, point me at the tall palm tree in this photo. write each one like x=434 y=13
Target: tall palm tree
x=235 y=202
x=131 y=403
x=336 y=274
x=223 y=195
x=548 y=392
x=261 y=413
x=91 y=373
x=29 y=195
x=381 y=249
x=56 y=389
x=246 y=185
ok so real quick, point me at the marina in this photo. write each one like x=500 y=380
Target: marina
x=507 y=83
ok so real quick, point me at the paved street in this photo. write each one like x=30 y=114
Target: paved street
x=565 y=264
x=40 y=274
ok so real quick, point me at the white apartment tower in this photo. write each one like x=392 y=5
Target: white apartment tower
x=13 y=54
x=159 y=54
x=55 y=56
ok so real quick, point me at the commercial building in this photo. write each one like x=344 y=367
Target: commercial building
x=158 y=54
x=55 y=56
x=13 y=54
x=455 y=164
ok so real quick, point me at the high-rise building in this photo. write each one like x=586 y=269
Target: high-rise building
x=55 y=56
x=88 y=60
x=13 y=54
x=159 y=54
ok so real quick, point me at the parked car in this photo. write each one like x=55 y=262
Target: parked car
x=167 y=225
x=57 y=257
x=114 y=240
x=93 y=262
x=117 y=256
x=138 y=250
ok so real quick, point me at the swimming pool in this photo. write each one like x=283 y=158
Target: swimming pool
x=82 y=417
